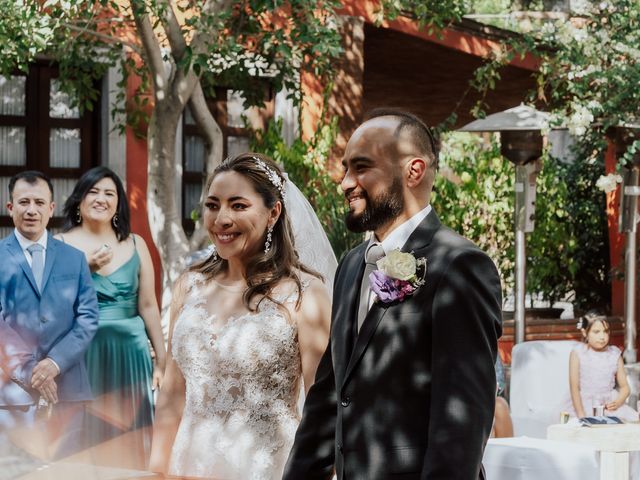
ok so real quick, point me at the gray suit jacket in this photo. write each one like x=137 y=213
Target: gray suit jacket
x=413 y=395
x=58 y=322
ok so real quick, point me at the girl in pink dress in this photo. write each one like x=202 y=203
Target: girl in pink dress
x=594 y=369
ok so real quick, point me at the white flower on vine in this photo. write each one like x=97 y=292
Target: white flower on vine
x=603 y=35
x=579 y=72
x=579 y=120
x=465 y=177
x=548 y=29
x=608 y=183
x=579 y=34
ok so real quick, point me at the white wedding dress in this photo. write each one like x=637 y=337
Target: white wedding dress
x=243 y=378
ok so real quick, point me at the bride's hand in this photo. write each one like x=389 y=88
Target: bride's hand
x=158 y=376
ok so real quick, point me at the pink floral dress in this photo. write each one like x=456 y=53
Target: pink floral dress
x=598 y=381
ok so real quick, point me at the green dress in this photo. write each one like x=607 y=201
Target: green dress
x=120 y=371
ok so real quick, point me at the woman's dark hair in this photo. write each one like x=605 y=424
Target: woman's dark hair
x=86 y=182
x=587 y=321
x=264 y=270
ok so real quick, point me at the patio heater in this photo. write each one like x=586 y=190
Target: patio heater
x=623 y=136
x=521 y=143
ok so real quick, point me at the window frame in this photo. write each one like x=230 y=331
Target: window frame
x=38 y=125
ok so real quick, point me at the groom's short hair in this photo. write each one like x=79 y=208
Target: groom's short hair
x=418 y=131
x=31 y=177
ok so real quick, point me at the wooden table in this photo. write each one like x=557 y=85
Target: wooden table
x=613 y=441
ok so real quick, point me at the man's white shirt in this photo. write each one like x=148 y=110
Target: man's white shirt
x=26 y=243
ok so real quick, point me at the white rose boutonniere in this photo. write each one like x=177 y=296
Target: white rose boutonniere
x=398 y=265
x=399 y=275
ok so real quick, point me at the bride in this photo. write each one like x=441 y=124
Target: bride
x=248 y=325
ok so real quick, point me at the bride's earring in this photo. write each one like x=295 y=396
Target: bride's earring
x=78 y=216
x=267 y=243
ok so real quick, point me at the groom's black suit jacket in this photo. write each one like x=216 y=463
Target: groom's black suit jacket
x=413 y=397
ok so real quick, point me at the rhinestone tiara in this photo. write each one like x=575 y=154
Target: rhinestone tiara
x=272 y=175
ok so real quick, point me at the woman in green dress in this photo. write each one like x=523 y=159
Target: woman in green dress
x=119 y=361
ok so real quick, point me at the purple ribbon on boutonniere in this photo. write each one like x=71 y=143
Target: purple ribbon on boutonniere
x=399 y=276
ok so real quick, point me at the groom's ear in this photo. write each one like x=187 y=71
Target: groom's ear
x=416 y=169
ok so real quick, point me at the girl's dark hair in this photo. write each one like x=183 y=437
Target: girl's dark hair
x=587 y=321
x=264 y=270
x=86 y=183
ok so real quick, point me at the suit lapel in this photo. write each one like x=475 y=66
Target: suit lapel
x=49 y=259
x=367 y=330
x=419 y=239
x=14 y=249
x=423 y=234
x=346 y=309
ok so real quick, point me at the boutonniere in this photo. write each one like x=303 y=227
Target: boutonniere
x=399 y=275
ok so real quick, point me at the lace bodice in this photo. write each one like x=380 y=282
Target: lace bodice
x=242 y=379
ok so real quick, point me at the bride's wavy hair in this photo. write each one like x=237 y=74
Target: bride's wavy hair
x=263 y=270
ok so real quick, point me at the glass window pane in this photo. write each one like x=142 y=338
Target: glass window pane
x=237 y=145
x=192 y=192
x=64 y=145
x=5 y=231
x=194 y=153
x=12 y=95
x=13 y=146
x=60 y=103
x=62 y=188
x=4 y=192
x=235 y=109
x=188 y=118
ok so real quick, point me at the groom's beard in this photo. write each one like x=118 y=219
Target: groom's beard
x=379 y=210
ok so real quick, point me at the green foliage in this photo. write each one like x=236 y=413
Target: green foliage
x=567 y=250
x=589 y=65
x=489 y=6
x=473 y=194
x=262 y=39
x=23 y=33
x=432 y=14
x=589 y=241
x=306 y=164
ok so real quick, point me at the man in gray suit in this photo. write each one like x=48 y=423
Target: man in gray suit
x=48 y=317
x=406 y=388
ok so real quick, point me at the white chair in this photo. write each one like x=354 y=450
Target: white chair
x=539 y=385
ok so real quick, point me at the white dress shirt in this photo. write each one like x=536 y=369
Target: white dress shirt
x=26 y=243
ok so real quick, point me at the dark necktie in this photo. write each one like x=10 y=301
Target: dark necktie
x=37 y=262
x=374 y=253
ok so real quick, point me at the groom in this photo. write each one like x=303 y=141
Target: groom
x=406 y=388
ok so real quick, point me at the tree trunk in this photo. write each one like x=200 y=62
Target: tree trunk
x=173 y=88
x=164 y=219
x=214 y=142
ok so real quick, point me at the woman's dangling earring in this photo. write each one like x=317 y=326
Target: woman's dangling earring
x=267 y=243
x=114 y=221
x=78 y=216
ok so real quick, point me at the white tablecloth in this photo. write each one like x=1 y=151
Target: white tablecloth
x=524 y=458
